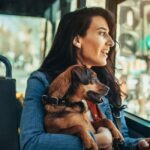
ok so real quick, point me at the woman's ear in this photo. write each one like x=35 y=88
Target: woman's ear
x=77 y=41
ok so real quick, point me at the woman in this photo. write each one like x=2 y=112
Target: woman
x=83 y=37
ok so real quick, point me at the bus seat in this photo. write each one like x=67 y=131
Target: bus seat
x=8 y=110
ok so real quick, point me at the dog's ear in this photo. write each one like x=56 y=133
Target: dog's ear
x=80 y=73
x=60 y=85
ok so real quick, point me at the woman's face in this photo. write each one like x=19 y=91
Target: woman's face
x=93 y=48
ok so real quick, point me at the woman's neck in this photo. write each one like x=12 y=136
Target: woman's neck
x=80 y=62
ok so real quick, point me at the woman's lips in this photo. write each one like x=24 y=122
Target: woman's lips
x=105 y=53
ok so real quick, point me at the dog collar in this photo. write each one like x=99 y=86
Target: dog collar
x=52 y=100
x=56 y=101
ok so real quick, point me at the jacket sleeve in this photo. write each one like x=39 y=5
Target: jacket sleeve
x=32 y=133
x=130 y=142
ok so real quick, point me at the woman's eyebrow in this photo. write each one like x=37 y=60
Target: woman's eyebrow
x=101 y=28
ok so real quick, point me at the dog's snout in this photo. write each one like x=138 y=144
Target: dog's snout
x=104 y=89
x=107 y=88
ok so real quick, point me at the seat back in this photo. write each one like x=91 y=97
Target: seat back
x=8 y=110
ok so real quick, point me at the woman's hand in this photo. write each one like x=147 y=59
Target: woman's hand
x=104 y=138
x=144 y=144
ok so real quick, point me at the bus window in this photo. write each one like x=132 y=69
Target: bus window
x=133 y=55
x=22 y=42
x=100 y=3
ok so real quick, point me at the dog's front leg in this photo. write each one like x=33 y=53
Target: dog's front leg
x=83 y=134
x=110 y=125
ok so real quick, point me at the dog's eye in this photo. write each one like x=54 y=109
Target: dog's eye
x=94 y=80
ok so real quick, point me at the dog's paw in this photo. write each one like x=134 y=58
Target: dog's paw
x=90 y=144
x=94 y=146
x=118 y=136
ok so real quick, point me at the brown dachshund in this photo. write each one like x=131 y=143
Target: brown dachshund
x=66 y=106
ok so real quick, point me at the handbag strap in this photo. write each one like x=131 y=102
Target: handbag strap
x=116 y=113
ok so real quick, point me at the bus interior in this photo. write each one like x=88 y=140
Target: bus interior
x=27 y=29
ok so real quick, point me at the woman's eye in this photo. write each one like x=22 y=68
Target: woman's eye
x=102 y=34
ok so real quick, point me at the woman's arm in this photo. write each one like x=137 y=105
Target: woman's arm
x=32 y=133
x=133 y=143
x=125 y=131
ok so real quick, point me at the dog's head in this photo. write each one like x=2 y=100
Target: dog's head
x=76 y=83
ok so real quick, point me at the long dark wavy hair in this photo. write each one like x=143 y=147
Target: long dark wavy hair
x=63 y=53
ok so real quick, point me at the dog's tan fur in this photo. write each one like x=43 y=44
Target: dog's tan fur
x=70 y=120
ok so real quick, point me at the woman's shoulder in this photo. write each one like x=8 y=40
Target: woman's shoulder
x=41 y=76
x=38 y=74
